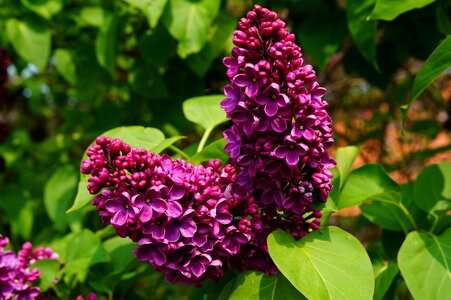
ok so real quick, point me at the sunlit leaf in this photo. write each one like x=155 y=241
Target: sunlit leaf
x=65 y=65
x=31 y=39
x=152 y=9
x=189 y=22
x=424 y=260
x=45 y=8
x=389 y=9
x=331 y=264
x=205 y=110
x=345 y=158
x=106 y=43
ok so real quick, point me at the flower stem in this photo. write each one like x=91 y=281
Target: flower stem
x=204 y=139
x=179 y=151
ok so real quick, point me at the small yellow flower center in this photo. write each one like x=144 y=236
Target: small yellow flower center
x=126 y=206
x=301 y=127
x=254 y=79
x=273 y=97
x=148 y=200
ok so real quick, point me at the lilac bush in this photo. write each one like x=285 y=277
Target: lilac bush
x=16 y=274
x=190 y=221
x=279 y=136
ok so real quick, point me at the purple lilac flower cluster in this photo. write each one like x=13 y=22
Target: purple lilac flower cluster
x=280 y=133
x=16 y=277
x=175 y=211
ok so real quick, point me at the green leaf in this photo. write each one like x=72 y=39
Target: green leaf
x=189 y=22
x=18 y=210
x=318 y=41
x=331 y=264
x=363 y=31
x=387 y=211
x=31 y=39
x=433 y=188
x=83 y=196
x=389 y=9
x=83 y=249
x=91 y=16
x=345 y=158
x=435 y=64
x=365 y=183
x=45 y=8
x=147 y=81
x=166 y=143
x=258 y=286
x=214 y=150
x=219 y=35
x=137 y=136
x=424 y=260
x=327 y=208
x=106 y=43
x=59 y=191
x=152 y=9
x=157 y=56
x=205 y=111
x=48 y=269
x=120 y=251
x=65 y=65
x=148 y=138
x=384 y=273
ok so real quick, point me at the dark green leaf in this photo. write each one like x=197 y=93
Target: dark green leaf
x=387 y=211
x=121 y=253
x=65 y=65
x=214 y=150
x=189 y=22
x=219 y=35
x=433 y=188
x=147 y=81
x=318 y=41
x=389 y=9
x=424 y=260
x=437 y=63
x=59 y=192
x=152 y=9
x=157 y=56
x=48 y=269
x=106 y=43
x=82 y=250
x=384 y=273
x=31 y=38
x=331 y=264
x=258 y=286
x=18 y=210
x=363 y=31
x=364 y=183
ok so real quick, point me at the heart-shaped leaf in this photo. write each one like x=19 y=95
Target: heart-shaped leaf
x=331 y=264
x=424 y=260
x=189 y=22
x=205 y=111
x=152 y=9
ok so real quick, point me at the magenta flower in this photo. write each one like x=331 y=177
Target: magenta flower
x=122 y=209
x=250 y=79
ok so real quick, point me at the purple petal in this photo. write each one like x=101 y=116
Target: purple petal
x=159 y=205
x=199 y=239
x=271 y=108
x=252 y=90
x=241 y=80
x=119 y=218
x=292 y=158
x=172 y=233
x=114 y=205
x=197 y=268
x=145 y=214
x=174 y=210
x=188 y=228
x=176 y=192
